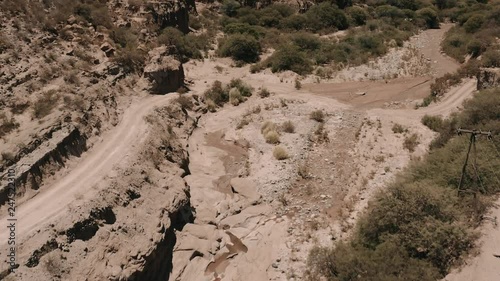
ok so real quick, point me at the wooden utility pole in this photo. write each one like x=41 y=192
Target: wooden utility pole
x=472 y=144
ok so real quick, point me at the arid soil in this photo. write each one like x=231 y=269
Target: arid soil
x=221 y=207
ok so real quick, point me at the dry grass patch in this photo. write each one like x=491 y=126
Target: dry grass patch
x=399 y=129
x=45 y=104
x=411 y=142
x=272 y=137
x=280 y=153
x=288 y=127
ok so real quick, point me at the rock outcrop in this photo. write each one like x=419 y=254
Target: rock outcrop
x=30 y=170
x=488 y=78
x=172 y=13
x=164 y=72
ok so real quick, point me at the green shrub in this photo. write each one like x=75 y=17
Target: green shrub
x=474 y=23
x=244 y=28
x=430 y=17
x=230 y=7
x=326 y=16
x=242 y=87
x=358 y=15
x=306 y=41
x=240 y=47
x=186 y=46
x=295 y=22
x=280 y=153
x=290 y=58
x=131 y=59
x=434 y=123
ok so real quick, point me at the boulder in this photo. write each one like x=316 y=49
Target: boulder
x=172 y=13
x=164 y=72
x=108 y=49
x=488 y=78
x=245 y=188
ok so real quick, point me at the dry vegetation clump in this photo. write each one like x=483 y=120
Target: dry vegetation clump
x=399 y=129
x=288 y=127
x=434 y=123
x=235 y=97
x=411 y=142
x=280 y=153
x=7 y=124
x=268 y=126
x=235 y=92
x=303 y=171
x=264 y=93
x=272 y=137
x=184 y=101
x=318 y=116
x=45 y=104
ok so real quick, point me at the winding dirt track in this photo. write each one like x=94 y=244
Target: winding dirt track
x=96 y=163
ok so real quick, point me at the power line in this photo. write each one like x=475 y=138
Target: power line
x=471 y=146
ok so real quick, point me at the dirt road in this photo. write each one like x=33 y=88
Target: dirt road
x=95 y=164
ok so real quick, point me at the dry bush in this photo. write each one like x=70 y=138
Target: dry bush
x=280 y=153
x=74 y=102
x=211 y=106
x=243 y=122
x=53 y=264
x=318 y=116
x=298 y=85
x=7 y=125
x=272 y=137
x=283 y=200
x=45 y=104
x=184 y=101
x=399 y=129
x=216 y=94
x=303 y=171
x=235 y=97
x=320 y=134
x=130 y=59
x=72 y=78
x=268 y=126
x=434 y=123
x=264 y=93
x=411 y=142
x=288 y=127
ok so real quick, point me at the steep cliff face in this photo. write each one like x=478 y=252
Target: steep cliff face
x=30 y=170
x=172 y=13
x=129 y=229
x=488 y=78
x=164 y=72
